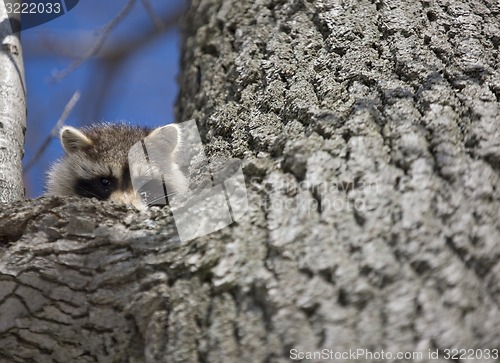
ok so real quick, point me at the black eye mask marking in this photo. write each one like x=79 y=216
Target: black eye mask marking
x=126 y=181
x=100 y=187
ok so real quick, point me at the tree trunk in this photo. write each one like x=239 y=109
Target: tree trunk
x=12 y=109
x=370 y=139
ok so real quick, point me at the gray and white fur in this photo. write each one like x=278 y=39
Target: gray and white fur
x=96 y=162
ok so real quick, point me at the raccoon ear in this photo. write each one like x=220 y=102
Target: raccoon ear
x=169 y=136
x=73 y=139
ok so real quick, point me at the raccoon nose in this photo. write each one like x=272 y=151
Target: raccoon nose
x=129 y=198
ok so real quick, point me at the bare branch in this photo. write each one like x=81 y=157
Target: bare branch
x=98 y=44
x=46 y=46
x=152 y=14
x=67 y=110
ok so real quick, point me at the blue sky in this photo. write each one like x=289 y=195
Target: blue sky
x=142 y=91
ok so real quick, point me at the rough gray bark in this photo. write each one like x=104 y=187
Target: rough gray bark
x=12 y=111
x=370 y=137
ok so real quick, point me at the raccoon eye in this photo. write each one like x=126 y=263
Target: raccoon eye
x=98 y=187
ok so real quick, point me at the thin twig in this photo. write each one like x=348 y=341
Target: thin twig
x=67 y=109
x=42 y=46
x=98 y=44
x=152 y=14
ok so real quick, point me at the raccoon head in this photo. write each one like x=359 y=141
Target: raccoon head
x=96 y=163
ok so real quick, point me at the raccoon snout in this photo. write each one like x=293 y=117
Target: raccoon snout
x=130 y=198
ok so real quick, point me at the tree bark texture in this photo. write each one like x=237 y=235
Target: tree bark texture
x=370 y=142
x=12 y=111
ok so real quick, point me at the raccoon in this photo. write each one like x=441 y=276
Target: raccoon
x=96 y=163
